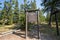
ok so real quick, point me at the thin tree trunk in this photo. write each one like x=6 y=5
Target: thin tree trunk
x=50 y=17
x=50 y=20
x=57 y=29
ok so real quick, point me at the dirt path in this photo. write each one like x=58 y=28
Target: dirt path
x=16 y=37
x=11 y=37
x=21 y=36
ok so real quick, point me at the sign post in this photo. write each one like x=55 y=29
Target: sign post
x=32 y=16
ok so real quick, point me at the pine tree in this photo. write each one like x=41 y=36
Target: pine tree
x=7 y=12
x=33 y=4
x=16 y=12
x=10 y=14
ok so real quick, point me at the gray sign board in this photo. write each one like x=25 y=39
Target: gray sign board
x=32 y=17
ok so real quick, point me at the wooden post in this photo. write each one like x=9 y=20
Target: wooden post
x=26 y=26
x=38 y=24
x=57 y=29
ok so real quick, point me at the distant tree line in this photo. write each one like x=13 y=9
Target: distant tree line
x=11 y=13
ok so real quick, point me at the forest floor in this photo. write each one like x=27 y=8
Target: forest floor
x=46 y=33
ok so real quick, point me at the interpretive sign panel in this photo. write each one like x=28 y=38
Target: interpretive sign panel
x=32 y=17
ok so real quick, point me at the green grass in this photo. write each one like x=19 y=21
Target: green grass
x=4 y=28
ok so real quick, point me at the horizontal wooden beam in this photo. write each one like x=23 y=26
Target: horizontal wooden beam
x=32 y=10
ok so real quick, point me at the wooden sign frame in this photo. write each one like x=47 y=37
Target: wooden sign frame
x=37 y=11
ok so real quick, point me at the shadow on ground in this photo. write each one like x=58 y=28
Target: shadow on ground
x=49 y=32
x=46 y=33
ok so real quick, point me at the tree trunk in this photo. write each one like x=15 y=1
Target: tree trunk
x=57 y=29
x=50 y=20
x=50 y=16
